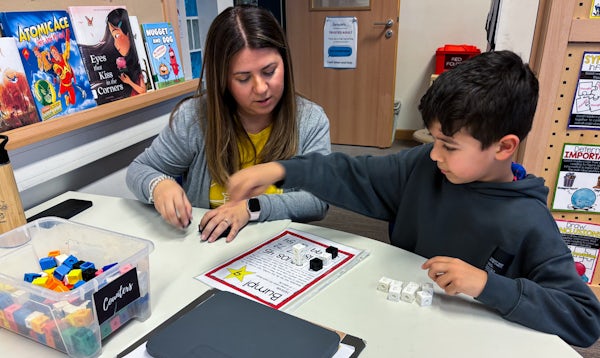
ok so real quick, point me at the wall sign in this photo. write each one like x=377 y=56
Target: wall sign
x=340 y=40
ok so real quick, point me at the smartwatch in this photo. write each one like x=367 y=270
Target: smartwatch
x=254 y=208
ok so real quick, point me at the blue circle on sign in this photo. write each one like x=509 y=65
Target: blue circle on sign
x=583 y=198
x=339 y=51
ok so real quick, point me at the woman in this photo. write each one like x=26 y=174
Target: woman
x=248 y=114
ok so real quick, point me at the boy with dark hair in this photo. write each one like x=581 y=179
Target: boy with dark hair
x=480 y=220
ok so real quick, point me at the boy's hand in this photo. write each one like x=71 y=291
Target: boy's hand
x=455 y=276
x=253 y=181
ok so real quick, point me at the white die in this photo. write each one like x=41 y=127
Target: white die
x=424 y=298
x=326 y=257
x=384 y=284
x=394 y=293
x=427 y=287
x=298 y=254
x=409 y=291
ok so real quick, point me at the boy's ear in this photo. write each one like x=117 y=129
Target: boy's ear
x=507 y=146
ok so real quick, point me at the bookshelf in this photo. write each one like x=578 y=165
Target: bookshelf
x=146 y=11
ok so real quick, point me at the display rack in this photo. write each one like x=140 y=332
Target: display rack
x=146 y=11
x=566 y=32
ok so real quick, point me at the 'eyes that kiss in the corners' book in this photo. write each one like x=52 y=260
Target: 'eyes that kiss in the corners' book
x=107 y=46
x=51 y=60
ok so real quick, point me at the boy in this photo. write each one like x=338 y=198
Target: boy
x=481 y=221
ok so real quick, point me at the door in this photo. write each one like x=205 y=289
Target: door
x=359 y=102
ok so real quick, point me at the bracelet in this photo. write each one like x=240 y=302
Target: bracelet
x=154 y=182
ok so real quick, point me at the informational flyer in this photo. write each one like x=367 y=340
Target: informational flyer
x=584 y=241
x=340 y=42
x=578 y=182
x=585 y=112
x=284 y=269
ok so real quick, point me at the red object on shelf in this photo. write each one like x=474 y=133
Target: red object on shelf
x=450 y=56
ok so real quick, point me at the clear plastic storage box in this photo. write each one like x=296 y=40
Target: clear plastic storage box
x=77 y=319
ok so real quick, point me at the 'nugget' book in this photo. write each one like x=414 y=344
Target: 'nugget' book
x=51 y=59
x=17 y=107
x=108 y=51
x=163 y=52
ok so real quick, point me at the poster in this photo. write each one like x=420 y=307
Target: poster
x=595 y=10
x=269 y=274
x=340 y=42
x=585 y=112
x=583 y=239
x=578 y=182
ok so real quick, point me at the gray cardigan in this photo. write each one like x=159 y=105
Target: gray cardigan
x=178 y=151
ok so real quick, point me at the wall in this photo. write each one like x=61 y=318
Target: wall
x=79 y=160
x=75 y=159
x=426 y=25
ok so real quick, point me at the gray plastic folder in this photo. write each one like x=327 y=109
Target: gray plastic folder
x=230 y=326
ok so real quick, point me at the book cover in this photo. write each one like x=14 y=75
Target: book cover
x=141 y=51
x=108 y=51
x=163 y=53
x=17 y=107
x=51 y=60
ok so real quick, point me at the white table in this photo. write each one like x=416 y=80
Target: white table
x=452 y=327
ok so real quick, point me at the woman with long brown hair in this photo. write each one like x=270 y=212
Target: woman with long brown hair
x=246 y=113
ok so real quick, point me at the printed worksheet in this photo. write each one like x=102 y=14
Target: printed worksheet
x=583 y=240
x=284 y=269
x=585 y=112
x=578 y=182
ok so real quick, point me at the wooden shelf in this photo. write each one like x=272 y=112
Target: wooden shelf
x=585 y=30
x=33 y=133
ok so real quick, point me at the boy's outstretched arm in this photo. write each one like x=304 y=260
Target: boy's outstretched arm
x=254 y=180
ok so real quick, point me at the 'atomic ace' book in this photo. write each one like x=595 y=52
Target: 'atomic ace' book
x=51 y=60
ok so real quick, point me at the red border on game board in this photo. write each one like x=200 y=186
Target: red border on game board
x=295 y=294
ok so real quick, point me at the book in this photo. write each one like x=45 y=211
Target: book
x=17 y=107
x=108 y=51
x=51 y=60
x=141 y=51
x=595 y=10
x=163 y=52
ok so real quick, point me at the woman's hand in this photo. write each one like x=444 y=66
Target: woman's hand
x=125 y=79
x=455 y=276
x=231 y=215
x=172 y=203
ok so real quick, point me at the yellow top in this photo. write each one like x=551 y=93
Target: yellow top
x=218 y=195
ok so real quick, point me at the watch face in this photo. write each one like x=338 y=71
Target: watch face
x=254 y=205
